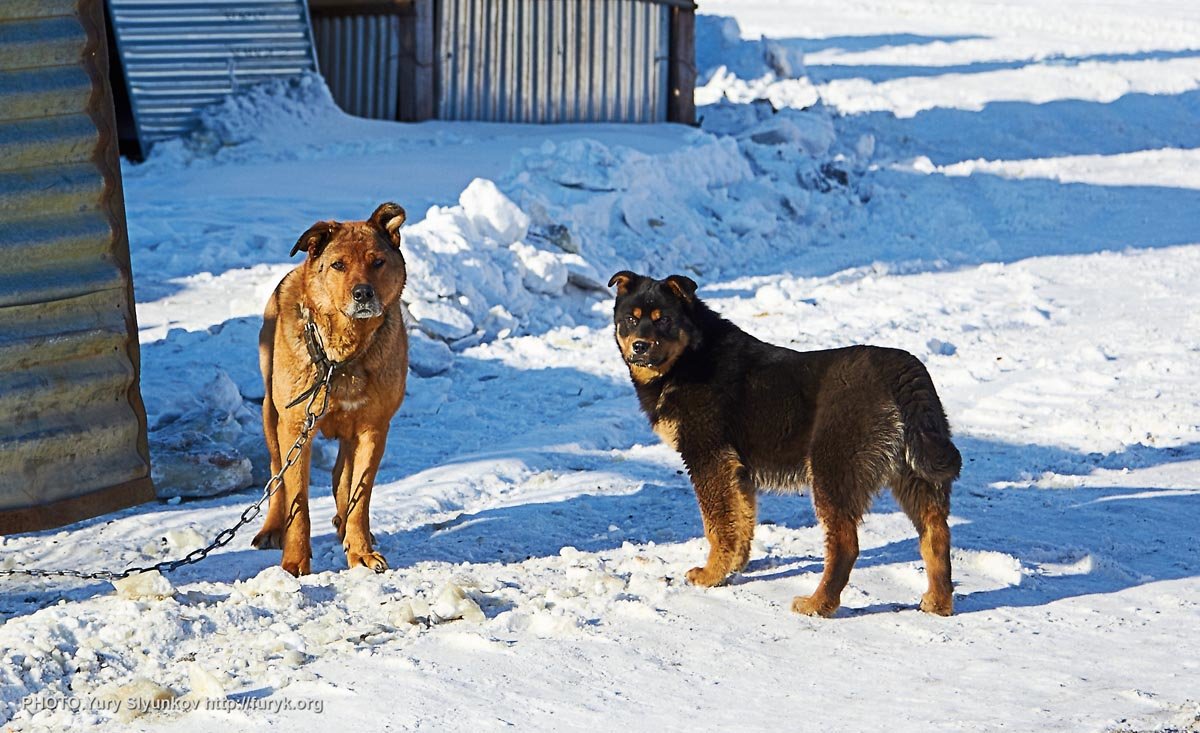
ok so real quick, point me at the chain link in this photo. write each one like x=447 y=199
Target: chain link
x=226 y=535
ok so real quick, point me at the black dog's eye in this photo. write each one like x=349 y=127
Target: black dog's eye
x=631 y=320
x=664 y=323
x=378 y=262
x=339 y=266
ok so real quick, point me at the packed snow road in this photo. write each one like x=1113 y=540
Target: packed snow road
x=1008 y=191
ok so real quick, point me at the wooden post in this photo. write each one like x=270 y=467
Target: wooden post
x=681 y=76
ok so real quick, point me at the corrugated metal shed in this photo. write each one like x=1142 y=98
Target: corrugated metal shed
x=538 y=61
x=509 y=60
x=73 y=428
x=181 y=55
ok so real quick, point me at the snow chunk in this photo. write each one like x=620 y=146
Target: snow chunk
x=427 y=357
x=541 y=272
x=492 y=213
x=148 y=585
x=136 y=697
x=943 y=348
x=442 y=320
x=581 y=274
x=402 y=614
x=202 y=449
x=184 y=540
x=453 y=603
x=204 y=684
x=190 y=463
x=814 y=134
x=271 y=580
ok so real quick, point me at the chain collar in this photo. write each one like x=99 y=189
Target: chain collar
x=320 y=359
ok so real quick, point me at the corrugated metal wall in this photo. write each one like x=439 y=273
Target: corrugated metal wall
x=72 y=424
x=181 y=55
x=361 y=58
x=377 y=56
x=553 y=60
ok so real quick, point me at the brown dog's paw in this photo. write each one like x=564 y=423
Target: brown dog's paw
x=705 y=577
x=372 y=560
x=811 y=606
x=269 y=538
x=297 y=568
x=938 y=605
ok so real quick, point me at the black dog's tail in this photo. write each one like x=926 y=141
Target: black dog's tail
x=927 y=445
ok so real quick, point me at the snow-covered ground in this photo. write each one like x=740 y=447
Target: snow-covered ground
x=1008 y=189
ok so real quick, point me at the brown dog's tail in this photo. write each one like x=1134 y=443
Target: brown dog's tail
x=927 y=445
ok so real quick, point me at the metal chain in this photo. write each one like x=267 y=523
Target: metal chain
x=224 y=536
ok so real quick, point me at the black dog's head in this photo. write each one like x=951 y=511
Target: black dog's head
x=654 y=324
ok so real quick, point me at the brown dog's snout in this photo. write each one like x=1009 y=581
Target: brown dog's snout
x=362 y=293
x=640 y=347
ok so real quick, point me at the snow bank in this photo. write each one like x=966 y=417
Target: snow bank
x=273 y=114
x=753 y=179
x=475 y=272
x=742 y=71
x=720 y=47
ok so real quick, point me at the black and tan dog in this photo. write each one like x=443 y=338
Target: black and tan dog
x=340 y=308
x=745 y=415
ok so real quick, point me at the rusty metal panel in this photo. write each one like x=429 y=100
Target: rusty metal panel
x=182 y=55
x=73 y=440
x=554 y=60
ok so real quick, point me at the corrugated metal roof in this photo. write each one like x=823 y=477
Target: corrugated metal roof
x=539 y=61
x=181 y=55
x=73 y=433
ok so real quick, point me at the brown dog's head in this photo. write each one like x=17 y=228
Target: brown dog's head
x=653 y=320
x=355 y=267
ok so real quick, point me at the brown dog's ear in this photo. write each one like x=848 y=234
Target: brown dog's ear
x=624 y=280
x=684 y=287
x=388 y=219
x=314 y=240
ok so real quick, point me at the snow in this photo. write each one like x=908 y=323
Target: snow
x=1006 y=189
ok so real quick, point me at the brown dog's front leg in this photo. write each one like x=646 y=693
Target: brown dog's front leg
x=728 y=506
x=270 y=537
x=297 y=547
x=366 y=450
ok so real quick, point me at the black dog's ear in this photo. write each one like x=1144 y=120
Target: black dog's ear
x=314 y=240
x=684 y=287
x=624 y=280
x=388 y=219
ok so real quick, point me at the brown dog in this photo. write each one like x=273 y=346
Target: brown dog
x=745 y=415
x=348 y=289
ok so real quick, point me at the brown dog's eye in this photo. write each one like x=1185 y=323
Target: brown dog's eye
x=378 y=262
x=664 y=323
x=339 y=266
